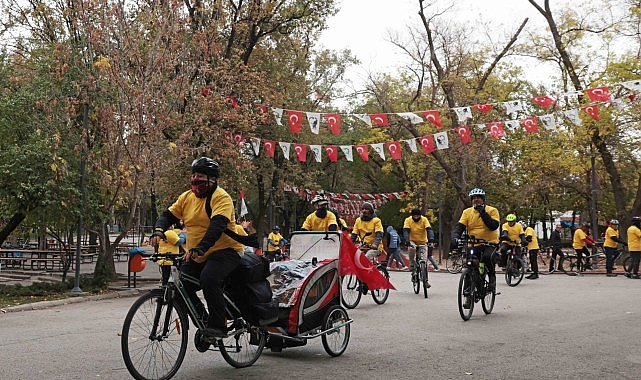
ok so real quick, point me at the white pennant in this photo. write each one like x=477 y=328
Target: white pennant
x=316 y=149
x=463 y=113
x=548 y=121
x=278 y=115
x=285 y=148
x=442 y=141
x=364 y=118
x=573 y=116
x=255 y=141
x=411 y=117
x=634 y=85
x=411 y=143
x=512 y=124
x=513 y=106
x=379 y=149
x=314 y=121
x=348 y=152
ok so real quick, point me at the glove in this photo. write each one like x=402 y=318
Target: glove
x=196 y=252
x=480 y=208
x=160 y=234
x=454 y=243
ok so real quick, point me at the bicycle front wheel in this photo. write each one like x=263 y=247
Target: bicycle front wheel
x=514 y=271
x=569 y=265
x=454 y=263
x=424 y=278
x=466 y=294
x=350 y=291
x=380 y=295
x=416 y=283
x=487 y=302
x=154 y=337
x=242 y=349
x=627 y=264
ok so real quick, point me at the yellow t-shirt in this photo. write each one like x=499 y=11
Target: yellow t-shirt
x=418 y=234
x=192 y=211
x=275 y=238
x=578 y=240
x=362 y=227
x=634 y=238
x=534 y=244
x=314 y=223
x=471 y=219
x=609 y=233
x=513 y=232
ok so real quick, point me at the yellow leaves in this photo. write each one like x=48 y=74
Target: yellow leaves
x=53 y=167
x=102 y=63
x=172 y=146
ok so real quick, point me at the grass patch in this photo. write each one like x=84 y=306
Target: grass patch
x=14 y=295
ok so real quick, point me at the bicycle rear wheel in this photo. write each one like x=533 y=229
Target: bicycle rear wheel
x=350 y=291
x=424 y=278
x=380 y=295
x=627 y=264
x=454 y=263
x=542 y=263
x=487 y=302
x=416 y=283
x=154 y=337
x=244 y=348
x=569 y=265
x=514 y=271
x=466 y=294
x=335 y=341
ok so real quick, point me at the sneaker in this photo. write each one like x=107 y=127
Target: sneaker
x=532 y=276
x=628 y=275
x=611 y=275
x=389 y=268
x=636 y=276
x=436 y=270
x=428 y=285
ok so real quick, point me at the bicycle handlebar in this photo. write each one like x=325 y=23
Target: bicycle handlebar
x=162 y=256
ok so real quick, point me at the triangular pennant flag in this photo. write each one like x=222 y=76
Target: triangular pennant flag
x=464 y=134
x=270 y=145
x=573 y=116
x=634 y=85
x=239 y=139
x=378 y=148
x=433 y=116
x=333 y=122
x=513 y=106
x=314 y=122
x=592 y=110
x=301 y=152
x=427 y=143
x=284 y=146
x=411 y=117
x=442 y=142
x=316 y=149
x=544 y=101
x=255 y=141
x=485 y=108
x=332 y=152
x=347 y=151
x=364 y=118
x=599 y=94
x=394 y=149
x=379 y=118
x=295 y=119
x=530 y=124
x=512 y=125
x=463 y=113
x=243 y=205
x=363 y=152
x=278 y=115
x=496 y=130
x=411 y=143
x=548 y=121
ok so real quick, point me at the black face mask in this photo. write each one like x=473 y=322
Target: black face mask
x=321 y=212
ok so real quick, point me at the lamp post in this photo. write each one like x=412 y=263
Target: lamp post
x=83 y=143
x=593 y=204
x=439 y=180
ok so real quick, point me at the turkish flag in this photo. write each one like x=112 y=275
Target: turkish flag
x=592 y=110
x=334 y=122
x=352 y=261
x=240 y=139
x=362 y=151
x=433 y=117
x=394 y=148
x=270 y=145
x=295 y=120
x=496 y=129
x=332 y=152
x=482 y=107
x=544 y=101
x=301 y=151
x=464 y=134
x=427 y=143
x=530 y=124
x=379 y=118
x=599 y=94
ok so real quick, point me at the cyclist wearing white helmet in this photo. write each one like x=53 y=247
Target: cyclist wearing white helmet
x=532 y=248
x=482 y=222
x=320 y=219
x=610 y=245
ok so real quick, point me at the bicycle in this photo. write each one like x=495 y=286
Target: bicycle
x=419 y=270
x=474 y=285
x=352 y=288
x=454 y=262
x=540 y=260
x=572 y=267
x=514 y=269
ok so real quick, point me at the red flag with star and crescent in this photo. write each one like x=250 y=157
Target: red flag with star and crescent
x=295 y=120
x=464 y=134
x=394 y=148
x=362 y=151
x=379 y=118
x=592 y=110
x=599 y=94
x=427 y=143
x=270 y=146
x=433 y=116
x=352 y=261
x=333 y=122
x=332 y=152
x=301 y=151
x=544 y=101
x=530 y=124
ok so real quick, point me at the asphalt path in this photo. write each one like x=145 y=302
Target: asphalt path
x=556 y=327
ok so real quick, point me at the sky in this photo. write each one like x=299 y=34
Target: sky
x=363 y=27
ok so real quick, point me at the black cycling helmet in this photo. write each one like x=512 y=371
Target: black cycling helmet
x=636 y=220
x=416 y=212
x=276 y=228
x=205 y=165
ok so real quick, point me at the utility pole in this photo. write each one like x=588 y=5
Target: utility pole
x=83 y=148
x=439 y=180
x=593 y=204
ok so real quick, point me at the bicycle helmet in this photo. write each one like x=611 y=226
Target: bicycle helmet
x=320 y=200
x=614 y=222
x=276 y=228
x=510 y=218
x=636 y=220
x=523 y=224
x=205 y=165
x=477 y=191
x=416 y=211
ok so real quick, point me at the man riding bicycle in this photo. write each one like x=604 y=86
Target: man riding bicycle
x=320 y=219
x=418 y=233
x=368 y=229
x=482 y=222
x=511 y=233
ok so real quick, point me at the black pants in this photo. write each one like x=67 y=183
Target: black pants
x=212 y=273
x=504 y=249
x=579 y=256
x=636 y=257
x=534 y=264
x=487 y=258
x=556 y=252
x=610 y=254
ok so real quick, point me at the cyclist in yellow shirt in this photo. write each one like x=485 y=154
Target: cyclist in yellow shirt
x=580 y=242
x=610 y=245
x=417 y=233
x=533 y=249
x=320 y=219
x=274 y=242
x=634 y=245
x=482 y=222
x=511 y=232
x=368 y=229
x=207 y=211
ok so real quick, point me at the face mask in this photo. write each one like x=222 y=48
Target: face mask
x=321 y=212
x=200 y=188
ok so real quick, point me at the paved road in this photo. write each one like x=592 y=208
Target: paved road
x=556 y=327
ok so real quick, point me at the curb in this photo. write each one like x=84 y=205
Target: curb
x=73 y=299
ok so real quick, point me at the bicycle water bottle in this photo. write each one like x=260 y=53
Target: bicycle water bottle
x=481 y=268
